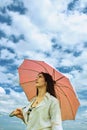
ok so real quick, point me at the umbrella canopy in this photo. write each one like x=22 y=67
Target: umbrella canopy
x=66 y=95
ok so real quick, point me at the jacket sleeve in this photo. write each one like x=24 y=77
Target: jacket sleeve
x=55 y=115
x=24 y=112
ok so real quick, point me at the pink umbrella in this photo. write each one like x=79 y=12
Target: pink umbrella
x=66 y=95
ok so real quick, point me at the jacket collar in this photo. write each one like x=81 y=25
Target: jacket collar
x=47 y=96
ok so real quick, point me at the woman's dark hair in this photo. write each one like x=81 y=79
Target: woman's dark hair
x=50 y=83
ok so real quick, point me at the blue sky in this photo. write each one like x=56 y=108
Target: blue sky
x=51 y=30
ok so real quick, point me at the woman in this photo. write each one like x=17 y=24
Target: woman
x=43 y=112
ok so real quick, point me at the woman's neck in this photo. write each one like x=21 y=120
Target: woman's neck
x=41 y=92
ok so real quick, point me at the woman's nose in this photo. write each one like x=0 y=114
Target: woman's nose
x=36 y=79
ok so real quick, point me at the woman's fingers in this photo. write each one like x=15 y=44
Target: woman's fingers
x=16 y=112
x=12 y=114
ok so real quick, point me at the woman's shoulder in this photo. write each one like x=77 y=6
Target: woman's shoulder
x=51 y=97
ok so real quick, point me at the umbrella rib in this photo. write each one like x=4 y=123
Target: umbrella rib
x=28 y=82
x=68 y=88
x=66 y=98
x=64 y=86
x=62 y=92
x=60 y=78
x=41 y=65
x=53 y=74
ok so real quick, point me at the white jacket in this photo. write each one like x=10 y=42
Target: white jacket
x=45 y=116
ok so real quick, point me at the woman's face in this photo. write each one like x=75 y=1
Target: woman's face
x=40 y=81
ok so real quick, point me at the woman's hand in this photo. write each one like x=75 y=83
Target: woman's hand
x=18 y=113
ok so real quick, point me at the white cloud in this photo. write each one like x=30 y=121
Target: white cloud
x=9 y=78
x=5 y=79
x=15 y=100
x=83 y=102
x=73 y=30
x=79 y=80
x=5 y=3
x=68 y=27
x=82 y=4
x=6 y=54
x=7 y=43
x=8 y=30
x=2 y=91
x=34 y=39
x=3 y=69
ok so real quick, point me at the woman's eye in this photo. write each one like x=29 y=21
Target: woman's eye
x=40 y=76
